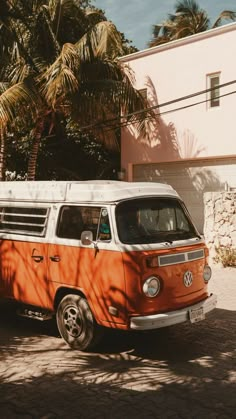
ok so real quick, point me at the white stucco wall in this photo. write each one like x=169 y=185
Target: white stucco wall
x=172 y=71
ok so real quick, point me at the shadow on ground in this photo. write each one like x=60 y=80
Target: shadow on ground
x=184 y=371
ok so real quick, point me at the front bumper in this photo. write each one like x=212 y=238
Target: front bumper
x=170 y=318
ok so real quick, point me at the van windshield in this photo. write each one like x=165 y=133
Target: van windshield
x=153 y=220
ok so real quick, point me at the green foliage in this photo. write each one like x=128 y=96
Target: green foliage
x=80 y=159
x=65 y=154
x=59 y=60
x=127 y=46
x=226 y=255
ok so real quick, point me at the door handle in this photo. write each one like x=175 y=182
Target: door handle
x=55 y=258
x=37 y=258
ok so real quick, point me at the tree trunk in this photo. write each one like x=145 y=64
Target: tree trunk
x=37 y=133
x=2 y=155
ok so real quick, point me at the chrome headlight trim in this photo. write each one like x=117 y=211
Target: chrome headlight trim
x=152 y=286
x=207 y=273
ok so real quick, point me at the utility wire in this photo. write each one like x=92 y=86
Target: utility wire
x=127 y=123
x=151 y=108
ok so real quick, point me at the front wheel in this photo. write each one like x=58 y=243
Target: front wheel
x=76 y=323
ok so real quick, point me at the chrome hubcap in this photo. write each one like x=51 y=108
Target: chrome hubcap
x=72 y=321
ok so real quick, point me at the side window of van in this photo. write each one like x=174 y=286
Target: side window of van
x=71 y=223
x=75 y=219
x=24 y=220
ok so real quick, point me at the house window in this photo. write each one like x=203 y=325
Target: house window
x=213 y=82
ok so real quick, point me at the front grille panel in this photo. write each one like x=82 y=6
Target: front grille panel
x=180 y=257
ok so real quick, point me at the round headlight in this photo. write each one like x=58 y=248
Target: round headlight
x=152 y=286
x=207 y=273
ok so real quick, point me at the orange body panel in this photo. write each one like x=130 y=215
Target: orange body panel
x=99 y=274
x=24 y=272
x=174 y=294
x=108 y=279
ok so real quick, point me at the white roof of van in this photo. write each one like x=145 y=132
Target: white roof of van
x=81 y=191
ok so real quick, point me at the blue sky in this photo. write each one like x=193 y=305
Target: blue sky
x=136 y=17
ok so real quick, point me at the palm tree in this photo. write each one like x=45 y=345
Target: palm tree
x=64 y=65
x=187 y=20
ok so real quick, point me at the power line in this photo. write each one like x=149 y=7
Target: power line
x=183 y=98
x=122 y=125
x=151 y=108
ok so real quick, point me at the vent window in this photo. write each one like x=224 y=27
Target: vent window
x=24 y=220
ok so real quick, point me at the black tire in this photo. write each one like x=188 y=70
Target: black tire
x=76 y=323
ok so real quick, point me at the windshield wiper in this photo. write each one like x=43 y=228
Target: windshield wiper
x=183 y=234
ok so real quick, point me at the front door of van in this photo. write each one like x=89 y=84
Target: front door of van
x=97 y=272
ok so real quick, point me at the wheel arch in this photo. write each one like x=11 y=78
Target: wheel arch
x=63 y=291
x=75 y=321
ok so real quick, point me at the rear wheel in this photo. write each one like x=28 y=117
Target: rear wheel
x=76 y=323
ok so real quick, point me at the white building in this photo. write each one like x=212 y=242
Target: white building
x=192 y=144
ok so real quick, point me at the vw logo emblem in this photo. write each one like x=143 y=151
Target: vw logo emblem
x=188 y=279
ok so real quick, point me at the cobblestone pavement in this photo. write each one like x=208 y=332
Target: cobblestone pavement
x=185 y=371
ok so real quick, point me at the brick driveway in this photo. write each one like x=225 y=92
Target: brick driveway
x=182 y=372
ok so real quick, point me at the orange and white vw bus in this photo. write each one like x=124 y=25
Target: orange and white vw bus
x=101 y=254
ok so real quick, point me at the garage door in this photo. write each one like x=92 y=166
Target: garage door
x=191 y=179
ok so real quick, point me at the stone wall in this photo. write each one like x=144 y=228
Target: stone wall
x=220 y=220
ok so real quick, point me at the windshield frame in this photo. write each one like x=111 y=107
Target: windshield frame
x=145 y=235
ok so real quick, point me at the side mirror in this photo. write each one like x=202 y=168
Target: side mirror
x=86 y=238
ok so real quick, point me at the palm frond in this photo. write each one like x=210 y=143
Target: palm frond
x=187 y=8
x=44 y=39
x=156 y=30
x=94 y=16
x=187 y=20
x=158 y=41
x=162 y=33
x=225 y=15
x=69 y=20
x=20 y=71
x=3 y=87
x=103 y=106
x=61 y=78
x=102 y=41
x=19 y=99
x=99 y=69
x=59 y=9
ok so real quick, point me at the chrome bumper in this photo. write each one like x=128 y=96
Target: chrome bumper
x=170 y=318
